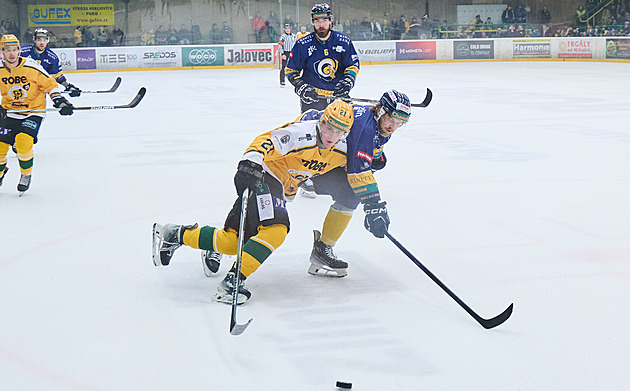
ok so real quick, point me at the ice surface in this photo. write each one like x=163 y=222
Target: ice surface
x=512 y=186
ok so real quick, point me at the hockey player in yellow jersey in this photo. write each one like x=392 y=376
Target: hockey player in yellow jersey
x=272 y=167
x=23 y=84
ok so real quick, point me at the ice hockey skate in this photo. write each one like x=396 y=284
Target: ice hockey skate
x=211 y=260
x=324 y=262
x=4 y=174
x=225 y=290
x=166 y=239
x=307 y=189
x=24 y=184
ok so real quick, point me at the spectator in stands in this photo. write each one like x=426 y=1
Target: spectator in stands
x=347 y=27
x=118 y=37
x=475 y=26
x=215 y=37
x=195 y=33
x=161 y=36
x=521 y=15
x=508 y=15
x=626 y=28
x=545 y=31
x=227 y=33
x=88 y=37
x=375 y=29
x=184 y=36
x=78 y=37
x=271 y=32
x=403 y=27
x=289 y=20
x=545 y=15
x=103 y=36
x=258 y=25
x=171 y=35
x=274 y=22
x=520 y=31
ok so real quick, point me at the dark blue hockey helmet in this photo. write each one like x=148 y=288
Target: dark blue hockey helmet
x=396 y=104
x=321 y=11
x=41 y=33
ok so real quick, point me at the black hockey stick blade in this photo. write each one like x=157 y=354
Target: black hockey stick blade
x=486 y=323
x=427 y=99
x=134 y=102
x=112 y=89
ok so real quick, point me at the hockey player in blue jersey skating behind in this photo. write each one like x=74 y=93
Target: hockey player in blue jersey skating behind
x=40 y=52
x=324 y=62
x=372 y=129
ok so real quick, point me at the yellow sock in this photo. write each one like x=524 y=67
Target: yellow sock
x=259 y=247
x=210 y=238
x=24 y=148
x=334 y=225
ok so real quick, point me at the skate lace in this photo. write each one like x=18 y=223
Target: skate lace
x=328 y=251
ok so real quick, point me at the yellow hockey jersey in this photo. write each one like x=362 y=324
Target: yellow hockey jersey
x=291 y=155
x=25 y=87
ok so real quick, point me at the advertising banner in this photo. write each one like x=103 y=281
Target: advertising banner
x=202 y=56
x=618 y=48
x=473 y=50
x=415 y=50
x=376 y=50
x=575 y=48
x=86 y=59
x=253 y=55
x=42 y=15
x=67 y=59
x=138 y=57
x=530 y=48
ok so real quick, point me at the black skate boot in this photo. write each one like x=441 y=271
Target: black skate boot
x=211 y=261
x=324 y=262
x=166 y=239
x=4 y=173
x=225 y=290
x=307 y=189
x=24 y=184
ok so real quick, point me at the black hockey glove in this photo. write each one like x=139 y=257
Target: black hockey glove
x=378 y=164
x=62 y=103
x=307 y=93
x=74 y=90
x=248 y=175
x=376 y=218
x=3 y=112
x=343 y=87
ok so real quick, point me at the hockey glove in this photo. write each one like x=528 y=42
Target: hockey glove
x=73 y=90
x=307 y=93
x=3 y=113
x=62 y=103
x=376 y=218
x=378 y=164
x=343 y=87
x=248 y=175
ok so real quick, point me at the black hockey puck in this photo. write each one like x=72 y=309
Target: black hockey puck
x=345 y=385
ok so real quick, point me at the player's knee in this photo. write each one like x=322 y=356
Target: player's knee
x=23 y=143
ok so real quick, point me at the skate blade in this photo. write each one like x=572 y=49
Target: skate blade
x=307 y=194
x=326 y=272
x=157 y=242
x=221 y=297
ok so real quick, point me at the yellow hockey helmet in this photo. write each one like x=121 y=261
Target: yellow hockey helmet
x=339 y=115
x=9 y=40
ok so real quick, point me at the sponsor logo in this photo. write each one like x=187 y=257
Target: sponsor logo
x=30 y=124
x=314 y=165
x=86 y=59
x=202 y=56
x=376 y=51
x=365 y=156
x=250 y=56
x=424 y=50
x=116 y=58
x=311 y=49
x=15 y=80
x=285 y=139
x=307 y=137
x=339 y=49
x=158 y=55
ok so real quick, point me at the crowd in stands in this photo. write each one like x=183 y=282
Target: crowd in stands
x=590 y=19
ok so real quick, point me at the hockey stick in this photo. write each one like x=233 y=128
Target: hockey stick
x=112 y=89
x=235 y=328
x=486 y=323
x=427 y=99
x=134 y=102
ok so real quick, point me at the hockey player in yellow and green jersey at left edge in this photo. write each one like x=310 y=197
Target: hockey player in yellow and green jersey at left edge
x=24 y=85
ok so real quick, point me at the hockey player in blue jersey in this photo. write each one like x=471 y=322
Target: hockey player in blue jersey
x=324 y=62
x=372 y=129
x=40 y=52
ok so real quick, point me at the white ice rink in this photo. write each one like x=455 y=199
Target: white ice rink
x=513 y=186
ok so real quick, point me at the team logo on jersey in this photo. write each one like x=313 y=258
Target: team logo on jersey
x=359 y=111
x=311 y=49
x=18 y=93
x=339 y=49
x=326 y=68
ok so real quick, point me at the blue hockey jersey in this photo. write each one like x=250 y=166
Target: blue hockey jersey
x=323 y=64
x=364 y=144
x=48 y=60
